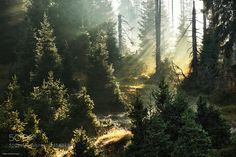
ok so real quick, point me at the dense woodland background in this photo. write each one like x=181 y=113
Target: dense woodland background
x=81 y=78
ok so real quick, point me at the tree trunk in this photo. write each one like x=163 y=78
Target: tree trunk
x=158 y=36
x=194 y=41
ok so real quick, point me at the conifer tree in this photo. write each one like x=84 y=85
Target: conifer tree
x=46 y=53
x=81 y=112
x=114 y=56
x=213 y=124
x=138 y=115
x=172 y=115
x=102 y=84
x=50 y=103
x=82 y=145
x=39 y=143
x=11 y=128
x=162 y=96
x=192 y=140
x=157 y=142
x=15 y=95
x=209 y=61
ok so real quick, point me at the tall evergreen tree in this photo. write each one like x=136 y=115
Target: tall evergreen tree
x=213 y=123
x=157 y=142
x=12 y=128
x=50 y=102
x=209 y=61
x=192 y=141
x=162 y=96
x=81 y=112
x=102 y=84
x=138 y=115
x=39 y=143
x=46 y=53
x=15 y=94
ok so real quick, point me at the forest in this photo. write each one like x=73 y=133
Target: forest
x=118 y=78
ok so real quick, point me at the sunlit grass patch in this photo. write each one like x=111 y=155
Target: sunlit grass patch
x=115 y=136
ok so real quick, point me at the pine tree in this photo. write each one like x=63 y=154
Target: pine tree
x=102 y=84
x=138 y=115
x=15 y=94
x=114 y=56
x=39 y=143
x=81 y=112
x=82 y=145
x=46 y=54
x=213 y=124
x=172 y=115
x=162 y=96
x=50 y=103
x=11 y=128
x=209 y=62
x=157 y=142
x=192 y=140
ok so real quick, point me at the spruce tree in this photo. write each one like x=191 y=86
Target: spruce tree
x=213 y=123
x=46 y=53
x=50 y=103
x=162 y=96
x=15 y=94
x=12 y=136
x=209 y=62
x=39 y=143
x=81 y=112
x=102 y=84
x=114 y=57
x=138 y=114
x=82 y=145
x=192 y=140
x=172 y=115
x=157 y=142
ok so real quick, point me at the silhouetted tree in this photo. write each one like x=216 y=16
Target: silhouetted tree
x=213 y=124
x=102 y=84
x=192 y=140
x=138 y=115
x=81 y=112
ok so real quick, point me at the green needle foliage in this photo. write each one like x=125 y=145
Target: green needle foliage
x=81 y=112
x=46 y=53
x=82 y=145
x=192 y=141
x=102 y=84
x=50 y=102
x=211 y=120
